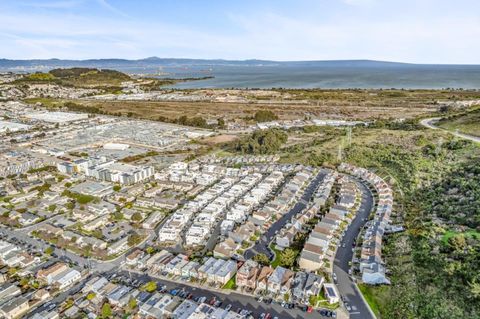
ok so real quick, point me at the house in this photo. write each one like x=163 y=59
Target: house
x=118 y=246
x=117 y=294
x=298 y=285
x=276 y=280
x=190 y=270
x=47 y=274
x=14 y=307
x=226 y=249
x=247 y=275
x=95 y=243
x=225 y=272
x=331 y=293
x=175 y=265
x=97 y=223
x=375 y=275
x=310 y=261
x=184 y=310
x=262 y=281
x=66 y=278
x=152 y=220
x=286 y=237
x=9 y=290
x=95 y=284
x=72 y=237
x=50 y=229
x=313 y=285
x=243 y=232
x=46 y=315
x=83 y=215
x=286 y=283
x=41 y=294
x=134 y=257
x=204 y=269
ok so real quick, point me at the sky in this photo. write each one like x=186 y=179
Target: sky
x=415 y=31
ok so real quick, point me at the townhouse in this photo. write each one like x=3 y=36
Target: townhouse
x=59 y=275
x=247 y=275
x=372 y=265
x=279 y=282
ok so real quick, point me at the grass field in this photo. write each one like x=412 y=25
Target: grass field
x=291 y=104
x=375 y=296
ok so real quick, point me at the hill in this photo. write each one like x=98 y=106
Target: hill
x=78 y=77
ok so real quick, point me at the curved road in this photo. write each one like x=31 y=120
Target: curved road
x=430 y=123
x=347 y=288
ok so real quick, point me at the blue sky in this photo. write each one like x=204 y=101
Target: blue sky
x=419 y=31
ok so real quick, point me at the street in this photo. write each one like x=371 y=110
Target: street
x=237 y=300
x=430 y=123
x=341 y=267
x=262 y=246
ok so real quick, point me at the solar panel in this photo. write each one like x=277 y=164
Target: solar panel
x=330 y=291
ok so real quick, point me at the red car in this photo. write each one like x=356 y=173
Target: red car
x=309 y=309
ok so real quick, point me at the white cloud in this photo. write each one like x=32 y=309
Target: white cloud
x=265 y=35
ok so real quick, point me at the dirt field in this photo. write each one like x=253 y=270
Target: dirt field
x=231 y=111
x=219 y=139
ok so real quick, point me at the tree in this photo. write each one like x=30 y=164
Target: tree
x=475 y=288
x=287 y=257
x=150 y=286
x=134 y=239
x=132 y=303
x=49 y=250
x=150 y=250
x=137 y=217
x=262 y=142
x=117 y=188
x=118 y=216
x=262 y=259
x=106 y=310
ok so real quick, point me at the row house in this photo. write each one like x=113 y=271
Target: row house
x=371 y=264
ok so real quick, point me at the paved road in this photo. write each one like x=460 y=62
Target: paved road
x=345 y=285
x=262 y=246
x=430 y=123
x=237 y=300
x=94 y=265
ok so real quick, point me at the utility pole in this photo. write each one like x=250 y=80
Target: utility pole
x=438 y=148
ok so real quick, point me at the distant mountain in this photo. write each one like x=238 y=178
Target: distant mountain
x=169 y=62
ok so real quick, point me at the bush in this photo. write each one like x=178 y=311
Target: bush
x=265 y=116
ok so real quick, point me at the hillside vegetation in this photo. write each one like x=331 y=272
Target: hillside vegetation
x=435 y=265
x=465 y=122
x=78 y=77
